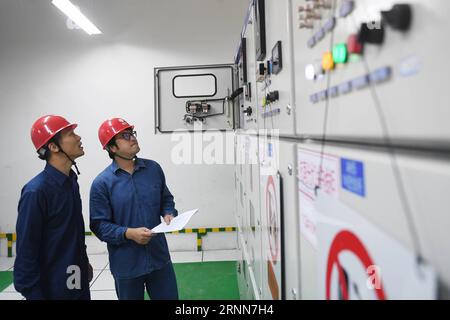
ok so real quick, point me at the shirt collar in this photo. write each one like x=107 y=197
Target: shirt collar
x=57 y=175
x=139 y=163
x=114 y=167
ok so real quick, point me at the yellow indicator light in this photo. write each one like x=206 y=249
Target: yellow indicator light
x=327 y=61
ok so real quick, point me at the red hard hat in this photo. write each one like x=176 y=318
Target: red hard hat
x=110 y=128
x=46 y=127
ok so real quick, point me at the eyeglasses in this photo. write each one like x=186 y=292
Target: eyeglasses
x=127 y=135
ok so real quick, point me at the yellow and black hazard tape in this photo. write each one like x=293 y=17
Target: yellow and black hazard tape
x=11 y=238
x=201 y=232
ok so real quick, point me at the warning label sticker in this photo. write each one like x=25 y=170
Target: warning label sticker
x=357 y=260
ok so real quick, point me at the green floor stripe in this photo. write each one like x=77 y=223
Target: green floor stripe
x=6 y=279
x=207 y=280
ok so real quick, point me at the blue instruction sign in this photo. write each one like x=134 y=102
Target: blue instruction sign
x=352 y=176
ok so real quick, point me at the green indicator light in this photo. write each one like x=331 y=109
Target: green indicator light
x=340 y=53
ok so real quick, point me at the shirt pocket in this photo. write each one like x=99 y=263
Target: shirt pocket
x=151 y=196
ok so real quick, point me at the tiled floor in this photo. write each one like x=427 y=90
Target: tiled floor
x=6 y=263
x=99 y=261
x=102 y=285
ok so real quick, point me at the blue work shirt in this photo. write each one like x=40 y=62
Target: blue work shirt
x=119 y=200
x=51 y=238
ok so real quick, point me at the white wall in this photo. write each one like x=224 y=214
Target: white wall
x=46 y=68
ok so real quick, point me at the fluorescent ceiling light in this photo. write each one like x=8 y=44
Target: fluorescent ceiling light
x=76 y=16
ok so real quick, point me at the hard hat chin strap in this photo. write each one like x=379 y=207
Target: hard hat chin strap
x=70 y=159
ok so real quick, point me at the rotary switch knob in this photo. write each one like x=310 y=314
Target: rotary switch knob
x=399 y=17
x=248 y=111
x=371 y=32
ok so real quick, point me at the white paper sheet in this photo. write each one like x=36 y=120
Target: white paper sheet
x=177 y=223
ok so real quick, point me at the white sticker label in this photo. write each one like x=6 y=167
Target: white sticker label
x=309 y=177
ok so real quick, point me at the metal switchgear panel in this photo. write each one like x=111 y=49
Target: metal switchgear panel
x=194 y=98
x=372 y=71
x=246 y=63
x=275 y=73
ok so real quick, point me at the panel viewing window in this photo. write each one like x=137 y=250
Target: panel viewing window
x=194 y=85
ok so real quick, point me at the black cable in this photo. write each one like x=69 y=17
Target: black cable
x=396 y=170
x=327 y=103
x=395 y=167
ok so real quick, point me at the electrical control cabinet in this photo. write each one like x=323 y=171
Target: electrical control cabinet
x=401 y=196
x=248 y=111
x=253 y=206
x=279 y=219
x=242 y=207
x=239 y=189
x=357 y=91
x=248 y=211
x=192 y=98
x=372 y=71
x=368 y=84
x=242 y=271
x=275 y=73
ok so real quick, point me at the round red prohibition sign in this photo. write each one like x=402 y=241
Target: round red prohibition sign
x=347 y=241
x=272 y=212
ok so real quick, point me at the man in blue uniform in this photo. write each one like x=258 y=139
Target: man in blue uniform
x=51 y=260
x=127 y=200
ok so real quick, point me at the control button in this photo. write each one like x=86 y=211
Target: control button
x=248 y=111
x=314 y=98
x=329 y=24
x=311 y=42
x=371 y=32
x=322 y=95
x=345 y=87
x=333 y=91
x=380 y=75
x=353 y=45
x=346 y=8
x=310 y=72
x=319 y=35
x=327 y=61
x=399 y=17
x=340 y=53
x=360 y=82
